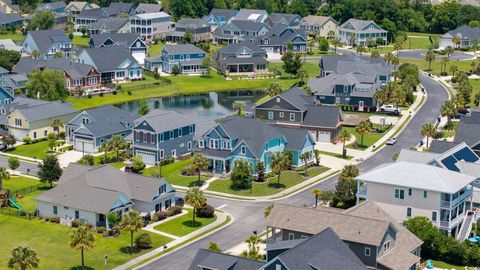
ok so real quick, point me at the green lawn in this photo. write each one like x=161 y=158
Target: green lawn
x=28 y=202
x=37 y=150
x=368 y=140
x=336 y=155
x=476 y=88
x=443 y=265
x=155 y=49
x=423 y=65
x=19 y=182
x=183 y=225
x=80 y=41
x=15 y=37
x=50 y=241
x=188 y=85
x=172 y=173
x=447 y=133
x=287 y=179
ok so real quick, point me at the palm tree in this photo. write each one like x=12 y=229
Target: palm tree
x=56 y=124
x=302 y=75
x=82 y=239
x=316 y=154
x=363 y=128
x=23 y=258
x=317 y=193
x=388 y=58
x=279 y=163
x=449 y=51
x=453 y=69
x=196 y=199
x=395 y=62
x=428 y=130
x=457 y=40
x=199 y=164
x=104 y=147
x=429 y=57
x=131 y=222
x=267 y=210
x=449 y=110
x=352 y=39
x=117 y=143
x=35 y=54
x=336 y=42
x=443 y=65
x=344 y=137
x=397 y=46
x=380 y=96
x=239 y=106
x=274 y=89
x=305 y=158
x=4 y=175
x=253 y=243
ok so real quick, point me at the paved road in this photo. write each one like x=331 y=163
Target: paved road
x=420 y=54
x=25 y=167
x=248 y=216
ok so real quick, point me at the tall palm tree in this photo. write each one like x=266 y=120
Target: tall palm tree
x=457 y=40
x=117 y=143
x=35 y=54
x=449 y=110
x=430 y=57
x=302 y=75
x=316 y=154
x=344 y=137
x=253 y=252
x=428 y=130
x=23 y=258
x=239 y=106
x=280 y=162
x=363 y=128
x=131 y=222
x=274 y=89
x=453 y=69
x=395 y=62
x=305 y=158
x=4 y=175
x=199 y=164
x=449 y=51
x=82 y=238
x=196 y=199
x=57 y=124
x=104 y=147
x=317 y=193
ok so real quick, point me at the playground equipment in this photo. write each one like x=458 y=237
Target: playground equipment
x=14 y=204
x=6 y=200
x=429 y=264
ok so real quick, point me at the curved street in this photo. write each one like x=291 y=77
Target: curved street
x=420 y=54
x=248 y=216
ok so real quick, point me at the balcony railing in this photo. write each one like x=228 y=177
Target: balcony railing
x=449 y=204
x=454 y=222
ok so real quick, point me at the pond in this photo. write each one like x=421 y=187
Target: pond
x=208 y=106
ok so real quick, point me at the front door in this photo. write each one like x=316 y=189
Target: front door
x=360 y=105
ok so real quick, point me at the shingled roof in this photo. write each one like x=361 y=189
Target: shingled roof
x=220 y=261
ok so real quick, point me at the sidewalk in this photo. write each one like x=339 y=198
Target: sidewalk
x=221 y=217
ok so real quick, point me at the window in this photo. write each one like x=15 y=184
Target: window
x=409 y=212
x=386 y=246
x=270 y=115
x=120 y=74
x=409 y=192
x=189 y=146
x=292 y=117
x=201 y=143
x=55 y=210
x=181 y=57
x=77 y=214
x=281 y=114
x=92 y=80
x=278 y=267
x=291 y=236
x=425 y=194
x=161 y=153
x=162 y=189
x=367 y=251
x=174 y=153
x=85 y=120
x=18 y=122
x=434 y=216
x=337 y=100
x=34 y=134
x=278 y=99
x=243 y=150
x=399 y=194
x=187 y=57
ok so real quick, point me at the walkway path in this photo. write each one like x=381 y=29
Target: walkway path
x=207 y=183
x=151 y=227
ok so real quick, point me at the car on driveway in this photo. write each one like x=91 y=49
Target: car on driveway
x=391 y=141
x=390 y=109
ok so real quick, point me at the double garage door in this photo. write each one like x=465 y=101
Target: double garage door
x=321 y=136
x=82 y=145
x=148 y=157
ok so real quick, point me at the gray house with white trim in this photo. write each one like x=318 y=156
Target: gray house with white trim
x=358 y=32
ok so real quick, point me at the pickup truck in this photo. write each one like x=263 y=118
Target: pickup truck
x=390 y=109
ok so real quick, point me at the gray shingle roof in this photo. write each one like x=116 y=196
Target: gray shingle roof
x=9 y=18
x=464 y=31
x=316 y=20
x=364 y=64
x=92 y=14
x=36 y=110
x=116 y=8
x=359 y=25
x=245 y=14
x=191 y=23
x=233 y=47
x=295 y=137
x=322 y=116
x=45 y=38
x=112 y=24
x=219 y=261
x=52 y=5
x=148 y=8
x=325 y=85
x=109 y=58
x=227 y=13
x=182 y=49
x=439 y=146
x=109 y=120
x=279 y=17
x=123 y=39
x=468 y=133
x=248 y=25
x=161 y=120
x=74 y=70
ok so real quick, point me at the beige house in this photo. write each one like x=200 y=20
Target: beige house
x=6 y=6
x=319 y=24
x=32 y=118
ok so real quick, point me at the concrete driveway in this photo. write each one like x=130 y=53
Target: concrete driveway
x=69 y=157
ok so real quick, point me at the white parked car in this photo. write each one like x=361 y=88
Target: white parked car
x=391 y=141
x=390 y=109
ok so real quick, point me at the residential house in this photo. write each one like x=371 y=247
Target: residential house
x=48 y=43
x=10 y=21
x=148 y=8
x=116 y=64
x=219 y=17
x=76 y=75
x=436 y=186
x=75 y=7
x=294 y=108
x=187 y=57
x=86 y=17
x=324 y=250
x=356 y=64
x=156 y=136
x=31 y=118
x=89 y=194
x=7 y=7
x=14 y=83
x=376 y=239
x=133 y=42
x=55 y=7
x=199 y=30
x=290 y=20
x=245 y=58
x=9 y=44
x=237 y=31
x=276 y=41
x=321 y=25
x=151 y=25
x=58 y=10
x=119 y=9
x=252 y=140
x=6 y=97
x=109 y=26
x=469 y=36
x=253 y=15
x=90 y=128
x=359 y=32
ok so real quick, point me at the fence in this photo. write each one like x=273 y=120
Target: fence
x=18 y=213
x=15 y=193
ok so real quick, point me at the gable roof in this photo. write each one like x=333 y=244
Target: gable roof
x=234 y=47
x=148 y=8
x=122 y=39
x=116 y=8
x=317 y=20
x=161 y=120
x=74 y=70
x=354 y=63
x=9 y=44
x=464 y=32
x=325 y=85
x=281 y=17
x=109 y=58
x=360 y=25
x=248 y=25
x=96 y=13
x=52 y=5
x=440 y=146
x=191 y=23
x=45 y=38
x=7 y=18
x=220 y=261
x=34 y=111
x=227 y=13
x=188 y=48
x=245 y=14
x=112 y=24
x=80 y=5
x=152 y=15
x=108 y=120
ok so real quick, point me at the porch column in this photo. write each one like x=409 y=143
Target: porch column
x=223 y=166
x=213 y=165
x=106 y=222
x=238 y=68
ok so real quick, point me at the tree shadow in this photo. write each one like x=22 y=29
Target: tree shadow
x=190 y=224
x=126 y=250
x=276 y=185
x=79 y=267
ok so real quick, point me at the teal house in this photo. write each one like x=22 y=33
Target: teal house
x=252 y=140
x=187 y=57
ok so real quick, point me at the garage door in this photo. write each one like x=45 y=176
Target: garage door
x=148 y=158
x=323 y=136
x=85 y=146
x=139 y=56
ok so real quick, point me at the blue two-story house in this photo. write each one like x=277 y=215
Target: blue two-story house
x=161 y=134
x=90 y=128
x=48 y=43
x=219 y=17
x=237 y=31
x=133 y=42
x=252 y=140
x=187 y=57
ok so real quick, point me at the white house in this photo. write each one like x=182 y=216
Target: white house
x=358 y=32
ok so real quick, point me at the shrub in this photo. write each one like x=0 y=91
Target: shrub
x=137 y=164
x=143 y=241
x=101 y=94
x=89 y=95
x=187 y=171
x=76 y=223
x=114 y=92
x=129 y=92
x=206 y=211
x=160 y=215
x=27 y=140
x=174 y=210
x=101 y=229
x=61 y=135
x=167 y=160
x=87 y=160
x=88 y=225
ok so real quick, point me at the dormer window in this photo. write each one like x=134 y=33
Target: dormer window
x=243 y=150
x=85 y=120
x=265 y=41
